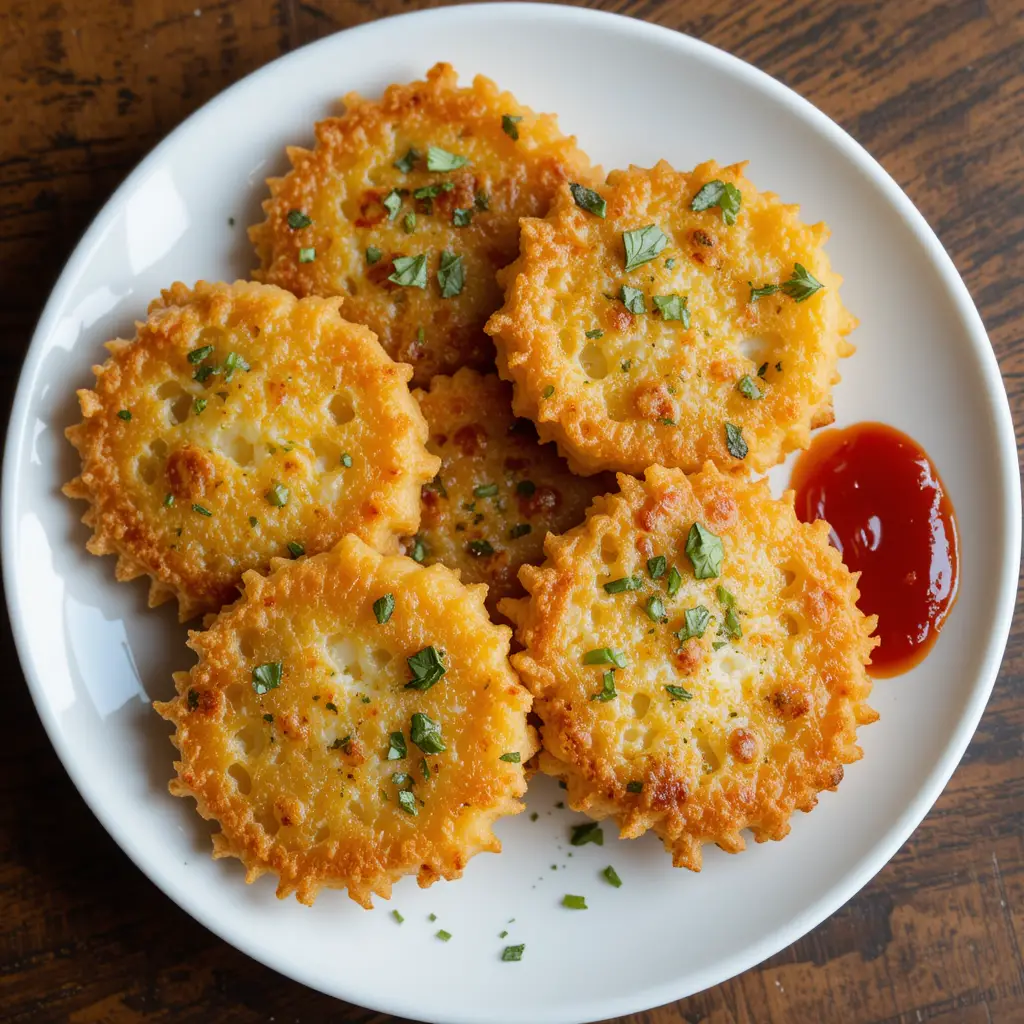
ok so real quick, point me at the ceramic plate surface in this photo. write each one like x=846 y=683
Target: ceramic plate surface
x=95 y=656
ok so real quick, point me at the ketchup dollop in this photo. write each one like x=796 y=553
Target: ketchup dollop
x=894 y=524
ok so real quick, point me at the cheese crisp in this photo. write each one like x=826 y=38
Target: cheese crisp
x=352 y=719
x=498 y=492
x=240 y=424
x=697 y=658
x=672 y=318
x=407 y=207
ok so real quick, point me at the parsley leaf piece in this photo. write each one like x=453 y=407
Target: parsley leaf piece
x=443 y=935
x=673 y=582
x=396 y=747
x=392 y=202
x=763 y=292
x=295 y=549
x=512 y=757
x=734 y=441
x=277 y=495
x=548 y=391
x=253 y=522
x=485 y=491
x=655 y=609
x=441 y=160
x=724 y=597
x=589 y=200
x=346 y=460
x=608 y=691
x=588 y=832
x=673 y=307
x=731 y=625
x=432 y=191
x=407 y=801
x=233 y=361
x=802 y=285
x=480 y=548
x=124 y=414
x=636 y=786
x=383 y=608
x=511 y=954
x=406 y=162
x=596 y=333
x=656 y=566
x=611 y=876
x=202 y=511
x=705 y=551
x=425 y=769
x=451 y=275
x=410 y=271
x=625 y=365
x=633 y=299
x=419 y=550
x=331 y=706
x=298 y=220
x=643 y=245
x=267 y=676
x=426 y=734
x=397 y=916
x=192 y=700
x=198 y=406
x=426 y=667
x=625 y=583
x=409 y=223
x=508 y=126
x=605 y=656
x=307 y=255
x=747 y=387
x=481 y=201
x=169 y=501
x=723 y=194
x=679 y=693
x=520 y=530
x=574 y=902
x=695 y=623
x=197 y=355
x=462 y=218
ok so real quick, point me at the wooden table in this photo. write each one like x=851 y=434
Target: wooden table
x=934 y=90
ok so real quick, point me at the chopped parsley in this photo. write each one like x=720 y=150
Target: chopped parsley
x=747 y=387
x=298 y=220
x=548 y=391
x=346 y=460
x=723 y=194
x=655 y=609
x=574 y=902
x=608 y=691
x=124 y=414
x=443 y=935
x=441 y=160
x=331 y=706
x=673 y=582
x=426 y=667
x=410 y=271
x=802 y=285
x=643 y=245
x=672 y=307
x=425 y=768
x=253 y=521
x=656 y=566
x=485 y=491
x=198 y=406
x=705 y=551
x=397 y=916
x=596 y=333
x=268 y=717
x=588 y=832
x=419 y=550
x=307 y=254
x=734 y=441
x=611 y=876
x=409 y=223
x=233 y=361
x=426 y=734
x=406 y=162
x=192 y=700
x=636 y=786
x=520 y=530
x=295 y=549
x=407 y=801
x=695 y=623
x=383 y=608
x=508 y=126
x=396 y=747
x=731 y=625
x=632 y=299
x=625 y=365
x=197 y=355
x=462 y=218
x=267 y=676
x=589 y=200
x=625 y=583
x=451 y=275
x=679 y=693
x=373 y=255
x=511 y=954
x=202 y=511
x=512 y=757
x=277 y=495
x=433 y=191
x=605 y=656
x=724 y=597
x=761 y=293
x=480 y=548
x=169 y=501
x=392 y=202
x=481 y=202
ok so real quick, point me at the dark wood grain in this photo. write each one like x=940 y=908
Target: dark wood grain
x=934 y=90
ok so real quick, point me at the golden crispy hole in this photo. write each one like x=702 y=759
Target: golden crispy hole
x=593 y=361
x=267 y=820
x=756 y=349
x=247 y=643
x=709 y=756
x=568 y=340
x=341 y=409
x=631 y=735
x=179 y=401
x=148 y=469
x=361 y=811
x=323 y=833
x=342 y=653
x=380 y=657
x=239 y=450
x=248 y=738
x=788 y=576
x=328 y=455
x=243 y=780
x=233 y=694
x=609 y=550
x=789 y=624
x=158 y=446
x=641 y=704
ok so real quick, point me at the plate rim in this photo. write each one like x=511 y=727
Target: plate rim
x=632 y=30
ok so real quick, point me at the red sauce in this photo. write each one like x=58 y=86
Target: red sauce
x=893 y=523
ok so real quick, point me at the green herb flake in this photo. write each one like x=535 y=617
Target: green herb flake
x=623 y=584
x=433 y=191
x=512 y=757
x=480 y=548
x=485 y=491
x=574 y=902
x=383 y=608
x=426 y=667
x=724 y=597
x=636 y=786
x=520 y=530
x=705 y=551
x=442 y=161
x=723 y=194
x=253 y=522
x=802 y=285
x=406 y=162
x=397 y=916
x=588 y=832
x=410 y=271
x=656 y=566
x=409 y=223
x=462 y=218
x=267 y=676
x=169 y=501
x=548 y=391
x=731 y=625
x=373 y=255
x=643 y=245
x=451 y=275
x=419 y=551
x=346 y=460
x=297 y=220
x=392 y=202
x=632 y=299
x=407 y=801
x=596 y=333
x=197 y=355
x=443 y=935
x=425 y=769
x=509 y=124
x=695 y=623
x=192 y=700
x=331 y=706
x=734 y=441
x=670 y=263
x=748 y=388
x=396 y=747
x=232 y=362
x=762 y=370
x=426 y=734
x=679 y=693
x=295 y=549
x=307 y=254
x=673 y=307
x=673 y=582
x=655 y=609
x=268 y=717
x=611 y=876
x=605 y=656
x=202 y=511
x=198 y=406
x=608 y=691
x=625 y=365
x=589 y=200
x=125 y=414
x=481 y=201
x=277 y=495
x=511 y=954
x=761 y=293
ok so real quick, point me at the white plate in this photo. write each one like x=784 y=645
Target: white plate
x=94 y=656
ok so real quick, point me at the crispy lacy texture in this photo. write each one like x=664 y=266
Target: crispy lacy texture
x=306 y=779
x=365 y=212
x=498 y=492
x=241 y=424
x=766 y=704
x=660 y=386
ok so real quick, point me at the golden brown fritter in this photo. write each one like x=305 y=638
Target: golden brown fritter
x=498 y=492
x=649 y=332
x=697 y=658
x=238 y=425
x=407 y=206
x=352 y=719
